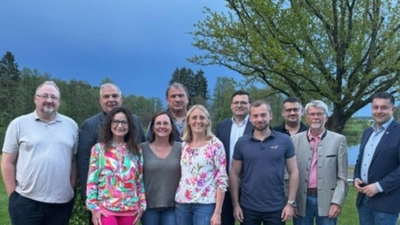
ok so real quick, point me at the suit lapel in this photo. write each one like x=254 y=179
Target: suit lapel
x=385 y=138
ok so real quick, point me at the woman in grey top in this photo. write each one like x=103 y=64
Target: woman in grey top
x=161 y=171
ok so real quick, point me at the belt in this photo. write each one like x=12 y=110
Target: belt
x=312 y=191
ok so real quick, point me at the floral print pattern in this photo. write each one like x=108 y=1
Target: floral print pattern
x=203 y=172
x=115 y=180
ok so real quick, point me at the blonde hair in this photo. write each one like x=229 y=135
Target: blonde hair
x=187 y=132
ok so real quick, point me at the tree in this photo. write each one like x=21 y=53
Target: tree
x=195 y=83
x=339 y=51
x=9 y=77
x=221 y=104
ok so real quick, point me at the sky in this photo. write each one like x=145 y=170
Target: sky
x=136 y=43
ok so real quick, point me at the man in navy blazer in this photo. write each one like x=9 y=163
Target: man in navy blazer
x=377 y=171
x=228 y=131
x=110 y=98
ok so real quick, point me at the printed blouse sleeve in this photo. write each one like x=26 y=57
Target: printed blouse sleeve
x=140 y=184
x=93 y=175
x=220 y=165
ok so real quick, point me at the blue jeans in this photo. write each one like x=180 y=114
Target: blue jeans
x=194 y=214
x=311 y=213
x=27 y=211
x=161 y=216
x=368 y=216
x=252 y=217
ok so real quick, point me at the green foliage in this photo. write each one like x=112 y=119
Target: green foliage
x=196 y=84
x=354 y=129
x=9 y=77
x=318 y=49
x=80 y=215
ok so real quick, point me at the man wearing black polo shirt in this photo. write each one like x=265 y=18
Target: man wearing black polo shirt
x=292 y=112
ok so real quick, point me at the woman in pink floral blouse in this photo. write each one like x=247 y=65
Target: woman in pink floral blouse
x=203 y=180
x=115 y=190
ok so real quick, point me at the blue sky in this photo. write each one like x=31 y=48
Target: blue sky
x=138 y=44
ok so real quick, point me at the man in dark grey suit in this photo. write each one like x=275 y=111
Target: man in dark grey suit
x=110 y=98
x=228 y=131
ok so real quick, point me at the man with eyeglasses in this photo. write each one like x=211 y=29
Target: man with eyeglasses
x=110 y=98
x=258 y=164
x=322 y=162
x=228 y=131
x=38 y=163
x=292 y=112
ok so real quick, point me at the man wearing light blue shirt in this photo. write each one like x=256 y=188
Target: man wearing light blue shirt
x=377 y=171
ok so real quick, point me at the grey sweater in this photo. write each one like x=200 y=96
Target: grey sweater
x=161 y=176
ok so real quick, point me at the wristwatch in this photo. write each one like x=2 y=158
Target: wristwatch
x=292 y=203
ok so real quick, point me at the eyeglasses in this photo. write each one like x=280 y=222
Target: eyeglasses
x=118 y=122
x=45 y=97
x=239 y=103
x=316 y=114
x=295 y=110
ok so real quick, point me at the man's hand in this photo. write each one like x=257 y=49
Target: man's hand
x=287 y=213
x=334 y=211
x=238 y=213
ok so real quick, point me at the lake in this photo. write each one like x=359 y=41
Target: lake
x=352 y=153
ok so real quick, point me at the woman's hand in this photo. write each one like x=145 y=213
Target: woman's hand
x=96 y=217
x=137 y=216
x=216 y=219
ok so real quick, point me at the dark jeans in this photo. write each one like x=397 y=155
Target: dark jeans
x=164 y=216
x=252 y=217
x=24 y=211
x=369 y=216
x=227 y=210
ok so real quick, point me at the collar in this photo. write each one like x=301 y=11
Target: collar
x=384 y=126
x=321 y=136
x=243 y=122
x=57 y=118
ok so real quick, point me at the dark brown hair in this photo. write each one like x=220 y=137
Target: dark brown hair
x=171 y=135
x=106 y=135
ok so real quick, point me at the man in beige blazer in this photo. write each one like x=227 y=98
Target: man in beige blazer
x=322 y=163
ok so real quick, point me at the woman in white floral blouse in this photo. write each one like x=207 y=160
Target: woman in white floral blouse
x=203 y=180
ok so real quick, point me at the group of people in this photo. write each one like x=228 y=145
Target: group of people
x=177 y=173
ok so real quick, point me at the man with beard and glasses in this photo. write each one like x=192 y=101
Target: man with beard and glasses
x=259 y=161
x=377 y=171
x=110 y=98
x=38 y=163
x=292 y=112
x=322 y=162
x=228 y=131
x=177 y=98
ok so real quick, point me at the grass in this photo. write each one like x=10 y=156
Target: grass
x=4 y=218
x=348 y=216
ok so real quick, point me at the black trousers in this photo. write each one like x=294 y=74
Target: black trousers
x=227 y=210
x=25 y=211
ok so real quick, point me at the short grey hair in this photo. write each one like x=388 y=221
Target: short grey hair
x=109 y=85
x=51 y=83
x=317 y=104
x=177 y=85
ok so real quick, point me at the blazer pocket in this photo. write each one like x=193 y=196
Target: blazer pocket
x=329 y=156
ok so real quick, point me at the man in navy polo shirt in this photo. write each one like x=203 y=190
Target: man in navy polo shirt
x=258 y=165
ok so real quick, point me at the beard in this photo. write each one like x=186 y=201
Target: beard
x=261 y=127
x=48 y=109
